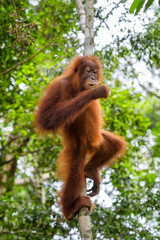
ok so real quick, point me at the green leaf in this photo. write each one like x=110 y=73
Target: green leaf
x=148 y=4
x=134 y=5
x=151 y=177
x=140 y=6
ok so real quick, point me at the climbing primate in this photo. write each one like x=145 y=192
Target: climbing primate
x=71 y=105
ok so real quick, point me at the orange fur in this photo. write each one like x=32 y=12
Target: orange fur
x=76 y=112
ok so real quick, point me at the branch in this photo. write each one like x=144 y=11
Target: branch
x=22 y=232
x=147 y=90
x=25 y=181
x=6 y=162
x=83 y=214
x=85 y=227
x=142 y=86
x=116 y=6
x=9 y=156
x=89 y=29
x=25 y=60
x=81 y=14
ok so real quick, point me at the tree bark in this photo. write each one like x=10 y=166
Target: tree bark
x=89 y=28
x=85 y=227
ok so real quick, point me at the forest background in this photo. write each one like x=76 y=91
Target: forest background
x=37 y=41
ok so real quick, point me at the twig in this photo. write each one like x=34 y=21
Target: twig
x=103 y=20
x=116 y=6
x=147 y=90
x=22 y=232
x=6 y=162
x=142 y=86
x=25 y=60
x=25 y=181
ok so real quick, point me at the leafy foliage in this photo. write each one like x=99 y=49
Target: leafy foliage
x=138 y=4
x=37 y=39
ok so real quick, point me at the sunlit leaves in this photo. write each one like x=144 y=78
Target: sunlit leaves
x=138 y=4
